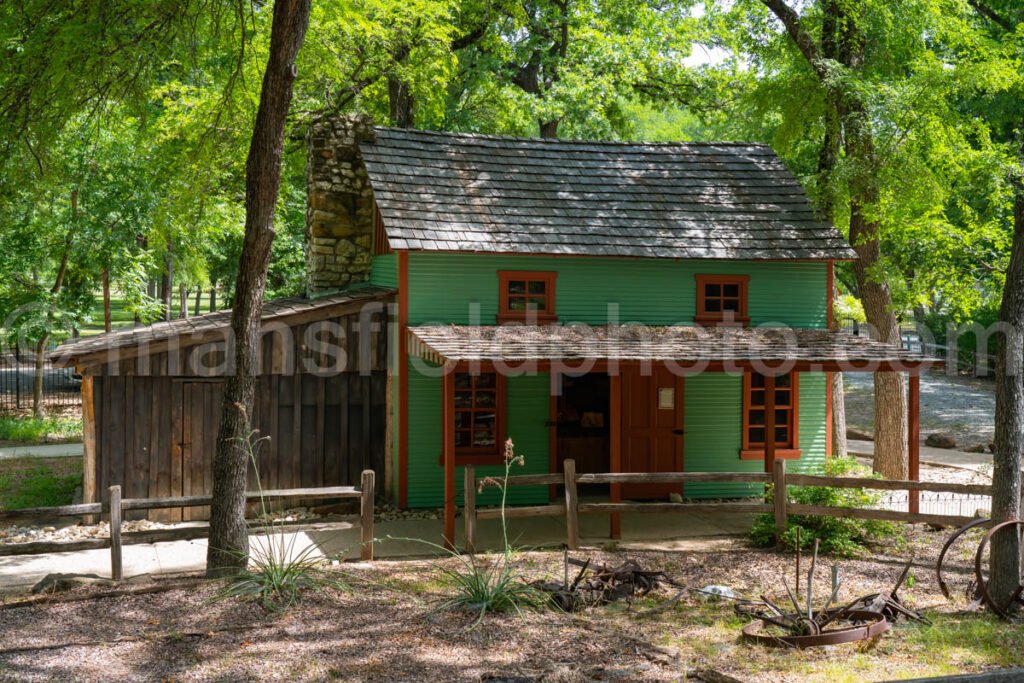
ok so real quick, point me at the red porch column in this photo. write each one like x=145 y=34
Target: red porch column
x=448 y=440
x=914 y=436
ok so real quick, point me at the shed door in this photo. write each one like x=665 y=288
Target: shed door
x=652 y=428
x=195 y=442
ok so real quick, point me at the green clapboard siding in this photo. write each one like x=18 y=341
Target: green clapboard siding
x=463 y=288
x=527 y=411
x=384 y=270
x=714 y=419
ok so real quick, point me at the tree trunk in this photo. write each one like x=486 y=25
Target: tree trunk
x=168 y=280
x=199 y=300
x=107 y=323
x=213 y=299
x=1004 y=561
x=37 y=384
x=838 y=425
x=182 y=301
x=549 y=129
x=229 y=542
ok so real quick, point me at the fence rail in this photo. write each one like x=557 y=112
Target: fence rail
x=117 y=506
x=779 y=506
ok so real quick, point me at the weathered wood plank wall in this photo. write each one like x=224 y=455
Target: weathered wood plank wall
x=319 y=414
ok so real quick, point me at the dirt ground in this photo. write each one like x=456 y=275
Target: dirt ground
x=386 y=629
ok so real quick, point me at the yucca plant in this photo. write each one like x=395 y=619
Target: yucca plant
x=495 y=588
x=278 y=573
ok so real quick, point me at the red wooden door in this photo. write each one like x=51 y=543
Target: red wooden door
x=652 y=428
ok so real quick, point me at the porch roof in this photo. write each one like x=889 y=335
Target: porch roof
x=800 y=348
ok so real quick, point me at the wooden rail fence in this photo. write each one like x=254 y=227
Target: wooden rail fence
x=117 y=506
x=779 y=505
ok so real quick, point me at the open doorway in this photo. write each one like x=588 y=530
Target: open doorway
x=583 y=425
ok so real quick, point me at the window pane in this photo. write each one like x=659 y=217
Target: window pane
x=732 y=290
x=756 y=435
x=485 y=399
x=464 y=419
x=781 y=416
x=516 y=304
x=757 y=417
x=517 y=287
x=782 y=435
x=782 y=397
x=486 y=381
x=757 y=397
x=483 y=421
x=782 y=381
x=463 y=380
x=756 y=380
x=463 y=439
x=483 y=439
x=463 y=399
x=713 y=305
x=538 y=303
x=713 y=290
x=731 y=305
x=537 y=287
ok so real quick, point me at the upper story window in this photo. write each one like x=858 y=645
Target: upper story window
x=722 y=300
x=526 y=295
x=479 y=416
x=755 y=430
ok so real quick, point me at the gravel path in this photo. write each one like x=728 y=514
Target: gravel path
x=962 y=406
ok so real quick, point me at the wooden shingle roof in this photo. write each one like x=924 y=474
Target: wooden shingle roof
x=458 y=192
x=200 y=329
x=682 y=344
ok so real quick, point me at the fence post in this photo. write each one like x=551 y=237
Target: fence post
x=779 y=481
x=116 y=566
x=572 y=519
x=366 y=516
x=469 y=510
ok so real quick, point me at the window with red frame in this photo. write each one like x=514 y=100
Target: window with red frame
x=479 y=414
x=722 y=299
x=526 y=296
x=755 y=435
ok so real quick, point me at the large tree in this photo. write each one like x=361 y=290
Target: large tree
x=229 y=542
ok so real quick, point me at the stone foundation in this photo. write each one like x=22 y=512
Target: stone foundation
x=340 y=210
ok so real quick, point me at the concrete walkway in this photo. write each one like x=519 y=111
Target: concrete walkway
x=941 y=457
x=395 y=539
x=45 y=450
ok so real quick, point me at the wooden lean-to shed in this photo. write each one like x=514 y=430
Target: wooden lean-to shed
x=152 y=396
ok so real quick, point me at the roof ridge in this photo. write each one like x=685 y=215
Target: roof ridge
x=568 y=141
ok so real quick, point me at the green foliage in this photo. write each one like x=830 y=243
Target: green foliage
x=37 y=487
x=40 y=430
x=839 y=536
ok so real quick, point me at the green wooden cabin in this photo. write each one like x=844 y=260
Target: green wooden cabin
x=613 y=303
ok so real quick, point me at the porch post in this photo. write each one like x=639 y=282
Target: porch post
x=769 y=423
x=914 y=437
x=448 y=439
x=615 y=437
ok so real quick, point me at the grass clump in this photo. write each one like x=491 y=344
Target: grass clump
x=838 y=536
x=32 y=430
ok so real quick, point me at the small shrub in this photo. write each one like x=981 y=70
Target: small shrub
x=839 y=536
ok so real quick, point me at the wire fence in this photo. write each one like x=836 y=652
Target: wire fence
x=953 y=504
x=17 y=380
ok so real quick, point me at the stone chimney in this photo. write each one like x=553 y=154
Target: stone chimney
x=340 y=210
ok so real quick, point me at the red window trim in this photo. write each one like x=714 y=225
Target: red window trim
x=486 y=455
x=789 y=451
x=703 y=317
x=505 y=314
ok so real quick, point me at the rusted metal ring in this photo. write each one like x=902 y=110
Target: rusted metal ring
x=949 y=543
x=876 y=624
x=982 y=581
